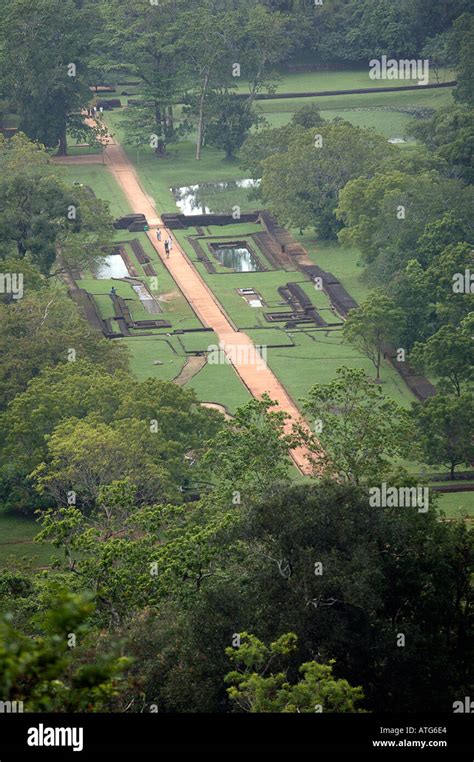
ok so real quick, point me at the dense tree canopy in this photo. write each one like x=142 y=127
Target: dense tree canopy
x=194 y=568
x=301 y=185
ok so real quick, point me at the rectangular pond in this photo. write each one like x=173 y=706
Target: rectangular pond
x=211 y=198
x=113 y=266
x=236 y=256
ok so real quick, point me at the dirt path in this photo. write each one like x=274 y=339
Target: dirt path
x=193 y=365
x=238 y=347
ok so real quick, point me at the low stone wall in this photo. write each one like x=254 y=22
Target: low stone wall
x=87 y=305
x=182 y=221
x=357 y=91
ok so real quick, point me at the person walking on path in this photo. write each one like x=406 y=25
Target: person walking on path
x=167 y=249
x=158 y=234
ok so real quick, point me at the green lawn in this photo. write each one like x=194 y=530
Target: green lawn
x=16 y=539
x=315 y=358
x=221 y=384
x=319 y=81
x=387 y=113
x=341 y=261
x=144 y=351
x=102 y=182
x=456 y=505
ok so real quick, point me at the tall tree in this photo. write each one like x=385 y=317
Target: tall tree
x=463 y=47
x=386 y=215
x=145 y=41
x=372 y=326
x=449 y=355
x=44 y=673
x=45 y=48
x=44 y=219
x=301 y=186
x=443 y=430
x=358 y=429
x=229 y=121
x=210 y=31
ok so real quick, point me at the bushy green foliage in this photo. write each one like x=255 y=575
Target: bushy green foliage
x=254 y=688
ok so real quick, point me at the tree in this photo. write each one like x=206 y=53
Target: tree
x=436 y=50
x=372 y=326
x=437 y=236
x=260 y=145
x=230 y=120
x=101 y=392
x=25 y=277
x=320 y=561
x=48 y=319
x=248 y=456
x=447 y=276
x=308 y=116
x=449 y=355
x=223 y=43
x=463 y=33
x=301 y=186
x=358 y=429
x=45 y=46
x=410 y=289
x=44 y=219
x=443 y=430
x=139 y=557
x=346 y=578
x=209 y=34
x=384 y=216
x=147 y=42
x=253 y=689
x=449 y=135
x=265 y=39
x=85 y=455
x=43 y=673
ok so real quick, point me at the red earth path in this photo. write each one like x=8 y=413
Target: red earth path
x=238 y=347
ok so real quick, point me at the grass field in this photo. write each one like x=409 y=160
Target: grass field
x=320 y=81
x=387 y=113
x=457 y=505
x=100 y=180
x=16 y=539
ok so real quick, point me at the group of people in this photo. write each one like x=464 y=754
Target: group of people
x=168 y=243
x=92 y=111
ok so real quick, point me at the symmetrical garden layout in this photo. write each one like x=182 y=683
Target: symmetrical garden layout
x=262 y=280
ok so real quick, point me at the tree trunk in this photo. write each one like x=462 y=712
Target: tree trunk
x=200 y=125
x=377 y=366
x=160 y=149
x=453 y=466
x=170 y=120
x=62 y=148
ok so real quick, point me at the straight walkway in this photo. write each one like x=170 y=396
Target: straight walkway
x=238 y=347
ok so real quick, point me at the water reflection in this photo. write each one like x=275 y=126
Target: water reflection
x=237 y=258
x=113 y=266
x=210 y=198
